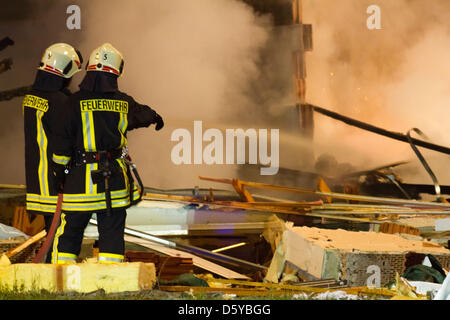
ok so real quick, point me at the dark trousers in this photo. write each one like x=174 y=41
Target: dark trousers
x=111 y=227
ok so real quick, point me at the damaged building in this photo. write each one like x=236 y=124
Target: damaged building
x=319 y=225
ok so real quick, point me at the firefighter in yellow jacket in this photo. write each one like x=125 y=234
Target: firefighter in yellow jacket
x=42 y=109
x=92 y=142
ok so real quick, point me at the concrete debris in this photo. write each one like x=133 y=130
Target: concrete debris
x=309 y=249
x=347 y=255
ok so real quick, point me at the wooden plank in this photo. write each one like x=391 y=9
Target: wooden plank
x=250 y=206
x=260 y=185
x=240 y=189
x=323 y=187
x=26 y=244
x=304 y=204
x=259 y=292
x=169 y=197
x=37 y=225
x=335 y=217
x=197 y=250
x=197 y=261
x=166 y=267
x=21 y=221
x=281 y=207
x=241 y=291
x=335 y=213
x=272 y=285
x=392 y=201
x=239 y=205
x=12 y=186
x=18 y=218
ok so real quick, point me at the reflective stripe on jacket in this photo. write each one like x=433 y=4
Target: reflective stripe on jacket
x=98 y=121
x=42 y=107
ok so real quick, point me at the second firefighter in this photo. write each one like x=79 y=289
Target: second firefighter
x=91 y=140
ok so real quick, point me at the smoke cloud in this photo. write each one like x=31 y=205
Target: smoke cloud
x=397 y=78
x=189 y=60
x=222 y=63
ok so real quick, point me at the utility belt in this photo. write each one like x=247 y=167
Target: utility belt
x=83 y=157
x=106 y=170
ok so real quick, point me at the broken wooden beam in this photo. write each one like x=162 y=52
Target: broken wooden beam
x=197 y=261
x=274 y=292
x=392 y=228
x=167 y=267
x=329 y=283
x=22 y=221
x=191 y=249
x=26 y=244
x=343 y=196
x=243 y=291
x=278 y=207
x=335 y=211
x=169 y=197
x=12 y=186
x=240 y=189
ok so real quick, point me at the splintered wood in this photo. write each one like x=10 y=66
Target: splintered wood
x=26 y=244
x=22 y=222
x=166 y=267
x=377 y=209
x=392 y=228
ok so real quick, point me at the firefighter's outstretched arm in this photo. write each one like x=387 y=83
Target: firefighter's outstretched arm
x=141 y=116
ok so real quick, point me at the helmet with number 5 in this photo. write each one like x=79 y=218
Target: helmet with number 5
x=106 y=58
x=61 y=59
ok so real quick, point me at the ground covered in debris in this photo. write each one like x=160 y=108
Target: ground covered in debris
x=164 y=295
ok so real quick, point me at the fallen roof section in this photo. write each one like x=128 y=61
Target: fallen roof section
x=197 y=261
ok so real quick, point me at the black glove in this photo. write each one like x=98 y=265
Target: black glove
x=60 y=177
x=7 y=41
x=159 y=122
